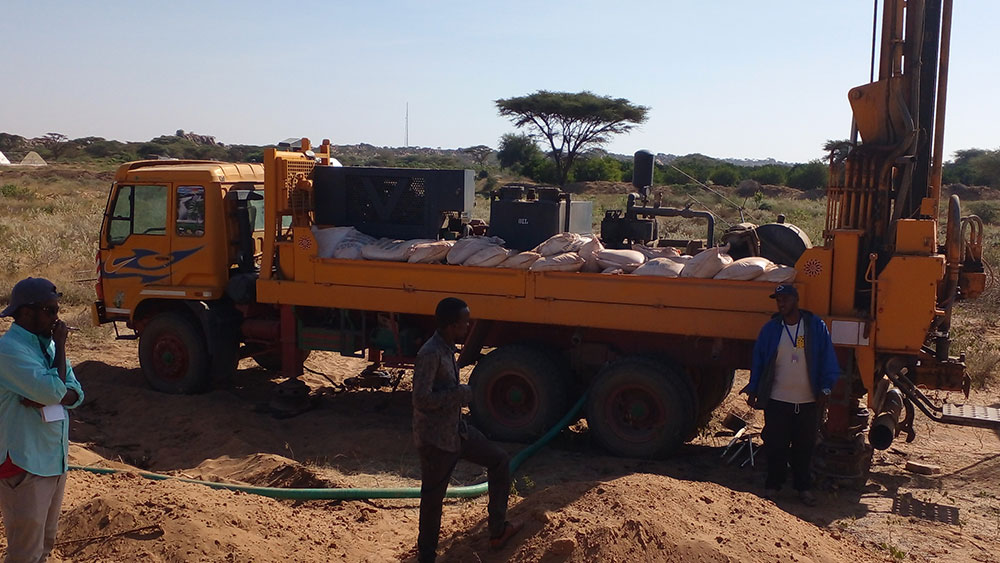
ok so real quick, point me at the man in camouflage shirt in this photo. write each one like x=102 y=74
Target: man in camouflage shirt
x=443 y=437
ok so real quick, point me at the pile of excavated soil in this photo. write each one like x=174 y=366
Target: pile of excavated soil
x=654 y=518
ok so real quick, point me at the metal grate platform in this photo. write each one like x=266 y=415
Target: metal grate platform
x=971 y=415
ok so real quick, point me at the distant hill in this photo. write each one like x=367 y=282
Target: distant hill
x=185 y=144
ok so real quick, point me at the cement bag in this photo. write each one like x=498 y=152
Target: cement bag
x=565 y=262
x=745 y=269
x=658 y=252
x=520 y=261
x=588 y=251
x=389 y=250
x=430 y=252
x=663 y=267
x=350 y=246
x=489 y=256
x=465 y=247
x=559 y=244
x=327 y=239
x=708 y=263
x=779 y=274
x=627 y=260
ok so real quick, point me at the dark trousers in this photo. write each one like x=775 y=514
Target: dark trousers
x=789 y=438
x=436 y=466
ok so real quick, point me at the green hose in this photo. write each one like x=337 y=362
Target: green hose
x=468 y=491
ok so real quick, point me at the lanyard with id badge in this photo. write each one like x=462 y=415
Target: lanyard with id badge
x=798 y=342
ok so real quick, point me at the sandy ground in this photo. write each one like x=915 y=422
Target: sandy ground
x=577 y=503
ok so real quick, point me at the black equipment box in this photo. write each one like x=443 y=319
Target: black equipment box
x=398 y=203
x=526 y=217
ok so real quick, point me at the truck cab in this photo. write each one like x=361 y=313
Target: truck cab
x=174 y=234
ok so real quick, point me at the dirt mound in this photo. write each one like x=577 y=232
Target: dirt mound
x=128 y=518
x=263 y=470
x=972 y=193
x=651 y=517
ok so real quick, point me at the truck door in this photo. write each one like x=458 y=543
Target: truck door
x=135 y=248
x=192 y=258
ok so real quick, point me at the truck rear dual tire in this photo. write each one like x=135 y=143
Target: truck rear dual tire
x=173 y=354
x=641 y=408
x=518 y=393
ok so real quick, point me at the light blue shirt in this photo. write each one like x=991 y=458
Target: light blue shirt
x=34 y=445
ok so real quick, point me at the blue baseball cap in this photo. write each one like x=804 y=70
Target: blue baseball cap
x=785 y=289
x=30 y=291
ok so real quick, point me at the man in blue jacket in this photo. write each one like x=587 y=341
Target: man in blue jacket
x=37 y=385
x=794 y=369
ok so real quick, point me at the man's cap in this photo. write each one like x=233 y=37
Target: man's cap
x=785 y=289
x=30 y=291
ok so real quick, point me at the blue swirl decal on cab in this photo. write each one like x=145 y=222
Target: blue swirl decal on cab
x=126 y=266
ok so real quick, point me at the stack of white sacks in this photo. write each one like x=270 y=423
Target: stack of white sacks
x=565 y=252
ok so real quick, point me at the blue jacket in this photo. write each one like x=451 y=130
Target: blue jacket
x=34 y=445
x=821 y=361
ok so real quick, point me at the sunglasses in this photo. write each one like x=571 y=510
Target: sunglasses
x=47 y=309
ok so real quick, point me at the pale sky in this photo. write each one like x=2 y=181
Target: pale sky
x=728 y=78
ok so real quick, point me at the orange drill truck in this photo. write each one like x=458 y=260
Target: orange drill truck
x=211 y=262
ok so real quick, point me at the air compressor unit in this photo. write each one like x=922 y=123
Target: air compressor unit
x=398 y=203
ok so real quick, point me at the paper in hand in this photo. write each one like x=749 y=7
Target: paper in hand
x=53 y=413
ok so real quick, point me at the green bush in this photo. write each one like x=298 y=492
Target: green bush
x=988 y=211
x=596 y=169
x=14 y=191
x=724 y=176
x=770 y=174
x=808 y=176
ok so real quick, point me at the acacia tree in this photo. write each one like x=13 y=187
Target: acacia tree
x=479 y=153
x=572 y=123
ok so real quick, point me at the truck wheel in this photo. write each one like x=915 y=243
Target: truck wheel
x=713 y=387
x=173 y=354
x=518 y=393
x=641 y=408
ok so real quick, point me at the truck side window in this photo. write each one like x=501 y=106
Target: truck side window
x=190 y=211
x=138 y=210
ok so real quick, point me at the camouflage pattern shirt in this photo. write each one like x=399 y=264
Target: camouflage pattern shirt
x=438 y=397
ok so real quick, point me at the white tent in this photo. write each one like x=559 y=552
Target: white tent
x=3 y=159
x=33 y=159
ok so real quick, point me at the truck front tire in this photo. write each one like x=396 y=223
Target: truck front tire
x=518 y=393
x=173 y=354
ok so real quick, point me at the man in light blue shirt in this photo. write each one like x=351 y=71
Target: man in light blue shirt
x=37 y=385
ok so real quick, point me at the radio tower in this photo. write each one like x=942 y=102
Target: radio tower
x=406 y=127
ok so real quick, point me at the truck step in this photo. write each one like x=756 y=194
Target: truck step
x=971 y=415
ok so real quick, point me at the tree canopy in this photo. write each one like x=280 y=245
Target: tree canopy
x=572 y=123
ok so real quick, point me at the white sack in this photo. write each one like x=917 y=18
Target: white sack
x=520 y=261
x=389 y=250
x=745 y=269
x=780 y=274
x=707 y=263
x=559 y=244
x=327 y=239
x=430 y=252
x=566 y=262
x=627 y=260
x=663 y=267
x=658 y=252
x=465 y=247
x=487 y=257
x=349 y=247
x=588 y=251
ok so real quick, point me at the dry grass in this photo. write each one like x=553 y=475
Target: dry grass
x=51 y=218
